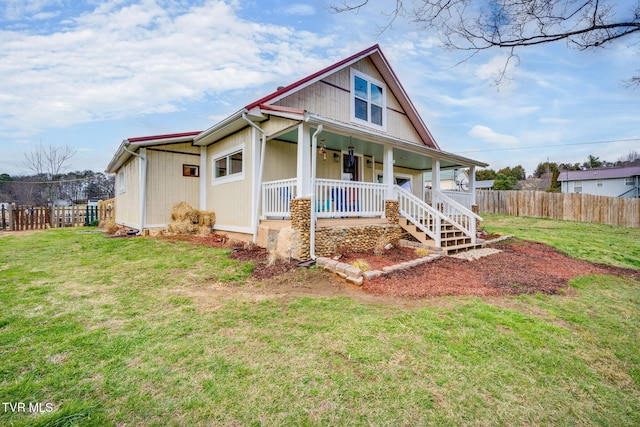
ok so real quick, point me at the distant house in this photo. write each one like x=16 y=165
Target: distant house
x=485 y=185
x=452 y=179
x=612 y=182
x=336 y=158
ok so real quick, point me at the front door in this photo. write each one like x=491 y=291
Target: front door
x=350 y=167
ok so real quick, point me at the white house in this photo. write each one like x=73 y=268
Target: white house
x=336 y=158
x=612 y=182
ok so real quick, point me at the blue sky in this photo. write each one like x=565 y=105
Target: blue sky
x=90 y=73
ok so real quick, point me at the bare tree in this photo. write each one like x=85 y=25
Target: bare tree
x=477 y=25
x=48 y=164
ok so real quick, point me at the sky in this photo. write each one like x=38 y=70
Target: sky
x=89 y=74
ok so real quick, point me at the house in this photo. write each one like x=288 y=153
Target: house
x=451 y=179
x=612 y=182
x=309 y=168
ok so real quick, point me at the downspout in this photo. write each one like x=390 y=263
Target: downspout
x=312 y=229
x=143 y=186
x=259 y=192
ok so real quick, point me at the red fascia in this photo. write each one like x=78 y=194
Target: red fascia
x=311 y=77
x=167 y=136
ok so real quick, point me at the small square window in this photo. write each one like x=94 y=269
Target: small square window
x=190 y=170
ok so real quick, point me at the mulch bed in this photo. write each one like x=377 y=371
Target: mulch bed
x=523 y=267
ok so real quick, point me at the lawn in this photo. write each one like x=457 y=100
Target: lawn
x=99 y=331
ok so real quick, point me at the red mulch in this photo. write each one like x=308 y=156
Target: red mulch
x=522 y=268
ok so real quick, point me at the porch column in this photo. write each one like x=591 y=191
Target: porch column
x=387 y=171
x=435 y=175
x=303 y=173
x=472 y=184
x=203 y=178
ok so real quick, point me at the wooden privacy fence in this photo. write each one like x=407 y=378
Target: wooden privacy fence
x=19 y=218
x=567 y=206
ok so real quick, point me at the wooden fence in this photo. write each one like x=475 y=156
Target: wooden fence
x=19 y=218
x=567 y=206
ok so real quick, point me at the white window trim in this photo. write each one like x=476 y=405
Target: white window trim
x=352 y=97
x=361 y=160
x=122 y=181
x=239 y=176
x=576 y=185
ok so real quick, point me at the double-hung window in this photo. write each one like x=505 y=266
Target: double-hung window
x=368 y=100
x=577 y=186
x=229 y=165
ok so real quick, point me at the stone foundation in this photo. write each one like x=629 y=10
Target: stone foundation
x=332 y=240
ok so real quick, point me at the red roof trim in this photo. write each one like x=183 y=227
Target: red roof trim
x=312 y=77
x=166 y=136
x=281 y=109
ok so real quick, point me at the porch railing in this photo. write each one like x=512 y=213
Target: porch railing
x=335 y=199
x=420 y=214
x=457 y=214
x=276 y=196
x=463 y=198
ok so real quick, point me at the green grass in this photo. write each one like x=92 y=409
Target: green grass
x=605 y=244
x=113 y=332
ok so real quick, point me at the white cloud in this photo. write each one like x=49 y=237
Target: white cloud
x=489 y=135
x=125 y=60
x=300 y=9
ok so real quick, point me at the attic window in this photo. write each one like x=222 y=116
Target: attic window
x=368 y=100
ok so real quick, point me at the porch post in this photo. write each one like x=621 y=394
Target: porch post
x=435 y=175
x=303 y=174
x=387 y=171
x=472 y=184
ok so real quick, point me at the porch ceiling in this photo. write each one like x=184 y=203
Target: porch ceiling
x=403 y=158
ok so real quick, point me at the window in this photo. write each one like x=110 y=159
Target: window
x=122 y=181
x=229 y=165
x=190 y=170
x=577 y=187
x=368 y=100
x=629 y=181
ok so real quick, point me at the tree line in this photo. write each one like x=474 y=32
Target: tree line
x=62 y=189
x=546 y=174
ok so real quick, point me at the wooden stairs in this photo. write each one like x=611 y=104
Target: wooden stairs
x=453 y=240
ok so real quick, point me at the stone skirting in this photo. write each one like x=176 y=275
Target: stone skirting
x=361 y=238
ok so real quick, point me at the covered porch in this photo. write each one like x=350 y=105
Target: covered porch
x=351 y=176
x=348 y=174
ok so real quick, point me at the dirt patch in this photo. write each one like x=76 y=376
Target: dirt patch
x=522 y=267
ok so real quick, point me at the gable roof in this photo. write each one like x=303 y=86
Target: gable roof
x=599 y=173
x=124 y=150
x=374 y=53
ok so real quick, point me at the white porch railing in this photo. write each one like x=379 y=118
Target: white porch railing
x=457 y=214
x=276 y=196
x=335 y=199
x=462 y=197
x=420 y=214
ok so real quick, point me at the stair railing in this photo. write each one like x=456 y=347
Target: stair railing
x=456 y=214
x=420 y=214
